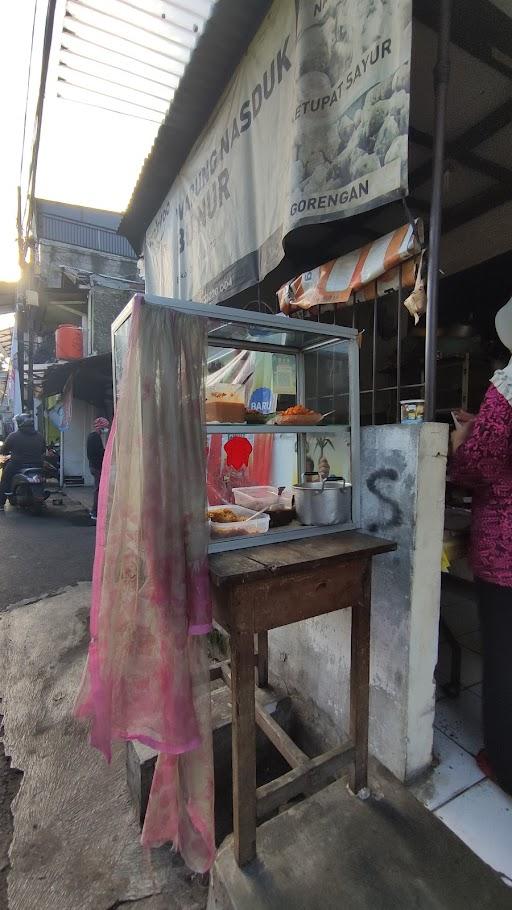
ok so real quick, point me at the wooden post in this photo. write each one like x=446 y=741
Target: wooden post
x=360 y=684
x=263 y=659
x=244 y=745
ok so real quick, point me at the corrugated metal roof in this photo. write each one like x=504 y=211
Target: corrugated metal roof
x=128 y=56
x=77 y=225
x=78 y=233
x=99 y=217
x=227 y=33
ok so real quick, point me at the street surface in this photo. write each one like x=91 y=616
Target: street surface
x=41 y=555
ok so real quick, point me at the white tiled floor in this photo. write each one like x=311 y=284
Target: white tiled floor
x=477 y=810
x=457 y=770
x=482 y=818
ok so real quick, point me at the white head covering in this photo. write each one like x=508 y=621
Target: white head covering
x=504 y=324
x=502 y=379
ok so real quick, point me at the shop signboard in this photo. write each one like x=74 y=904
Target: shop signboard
x=312 y=128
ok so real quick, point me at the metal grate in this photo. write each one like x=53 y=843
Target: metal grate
x=79 y=233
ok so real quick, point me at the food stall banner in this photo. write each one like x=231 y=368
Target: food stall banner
x=360 y=275
x=312 y=128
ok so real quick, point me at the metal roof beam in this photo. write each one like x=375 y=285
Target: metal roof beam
x=470 y=159
x=66 y=68
x=73 y=56
x=165 y=15
x=496 y=172
x=197 y=7
x=489 y=125
x=89 y=13
x=109 y=97
x=110 y=110
x=473 y=208
x=168 y=61
x=478 y=27
x=460 y=149
x=72 y=37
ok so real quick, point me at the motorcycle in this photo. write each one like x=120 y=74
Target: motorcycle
x=28 y=490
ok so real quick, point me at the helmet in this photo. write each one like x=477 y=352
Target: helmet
x=24 y=420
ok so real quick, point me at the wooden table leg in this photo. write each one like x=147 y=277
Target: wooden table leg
x=360 y=685
x=244 y=746
x=263 y=659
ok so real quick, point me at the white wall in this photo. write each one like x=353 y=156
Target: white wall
x=75 y=439
x=403 y=471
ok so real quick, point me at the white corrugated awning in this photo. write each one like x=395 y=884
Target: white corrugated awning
x=127 y=56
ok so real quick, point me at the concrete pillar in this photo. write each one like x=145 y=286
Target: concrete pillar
x=403 y=477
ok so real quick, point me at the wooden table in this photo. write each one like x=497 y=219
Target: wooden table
x=262 y=588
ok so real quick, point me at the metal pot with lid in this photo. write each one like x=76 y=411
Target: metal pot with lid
x=326 y=502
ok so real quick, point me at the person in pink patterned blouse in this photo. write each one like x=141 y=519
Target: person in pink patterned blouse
x=481 y=459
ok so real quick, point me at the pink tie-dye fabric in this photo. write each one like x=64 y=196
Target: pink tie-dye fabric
x=147 y=675
x=484 y=463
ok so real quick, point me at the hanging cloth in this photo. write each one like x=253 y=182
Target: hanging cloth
x=147 y=674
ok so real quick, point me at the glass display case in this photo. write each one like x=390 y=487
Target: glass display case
x=282 y=411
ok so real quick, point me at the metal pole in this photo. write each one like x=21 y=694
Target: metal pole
x=20 y=330
x=30 y=360
x=441 y=79
x=374 y=357
x=399 y=348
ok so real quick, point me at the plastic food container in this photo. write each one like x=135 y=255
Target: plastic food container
x=262 y=498
x=412 y=410
x=243 y=528
x=225 y=403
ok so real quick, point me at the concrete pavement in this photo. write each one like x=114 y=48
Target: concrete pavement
x=76 y=838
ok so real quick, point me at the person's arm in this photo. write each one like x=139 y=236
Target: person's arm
x=486 y=451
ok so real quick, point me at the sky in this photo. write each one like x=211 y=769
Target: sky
x=87 y=157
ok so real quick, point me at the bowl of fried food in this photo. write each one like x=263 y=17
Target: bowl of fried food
x=298 y=415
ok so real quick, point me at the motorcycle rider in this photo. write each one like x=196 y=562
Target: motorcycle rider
x=26 y=447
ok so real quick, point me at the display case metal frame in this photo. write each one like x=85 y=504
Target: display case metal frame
x=315 y=335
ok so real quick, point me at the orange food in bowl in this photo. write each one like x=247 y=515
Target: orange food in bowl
x=298 y=410
x=224 y=516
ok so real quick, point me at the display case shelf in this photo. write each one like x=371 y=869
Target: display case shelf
x=279 y=362
x=277 y=535
x=247 y=429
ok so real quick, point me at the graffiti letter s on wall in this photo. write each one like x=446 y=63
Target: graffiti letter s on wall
x=396 y=518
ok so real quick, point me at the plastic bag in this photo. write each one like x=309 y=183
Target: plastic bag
x=416 y=302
